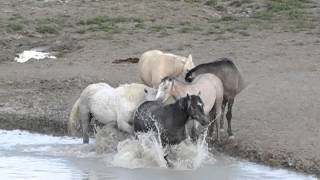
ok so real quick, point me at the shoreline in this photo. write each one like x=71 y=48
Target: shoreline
x=232 y=148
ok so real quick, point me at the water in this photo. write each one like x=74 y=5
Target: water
x=25 y=155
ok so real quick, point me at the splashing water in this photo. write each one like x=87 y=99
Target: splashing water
x=146 y=151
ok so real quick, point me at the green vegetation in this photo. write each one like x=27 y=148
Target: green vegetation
x=244 y=33
x=16 y=23
x=292 y=9
x=228 y=18
x=14 y=27
x=190 y=29
x=47 y=29
x=215 y=5
x=108 y=24
x=110 y=20
x=50 y=25
x=158 y=28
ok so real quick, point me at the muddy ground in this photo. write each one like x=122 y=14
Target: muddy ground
x=276 y=44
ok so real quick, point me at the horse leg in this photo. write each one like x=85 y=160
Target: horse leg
x=194 y=134
x=229 y=116
x=212 y=116
x=85 y=118
x=224 y=102
x=122 y=123
x=218 y=116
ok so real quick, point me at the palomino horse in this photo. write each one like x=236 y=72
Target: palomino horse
x=169 y=120
x=232 y=81
x=106 y=104
x=155 y=65
x=209 y=85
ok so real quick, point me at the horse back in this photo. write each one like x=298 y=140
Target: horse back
x=211 y=89
x=227 y=72
x=155 y=65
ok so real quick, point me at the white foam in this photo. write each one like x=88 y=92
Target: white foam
x=32 y=54
x=146 y=152
x=143 y=152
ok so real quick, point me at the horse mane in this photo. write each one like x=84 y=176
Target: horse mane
x=134 y=92
x=172 y=78
x=219 y=62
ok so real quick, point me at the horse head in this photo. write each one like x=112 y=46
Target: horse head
x=195 y=109
x=188 y=64
x=164 y=88
x=150 y=93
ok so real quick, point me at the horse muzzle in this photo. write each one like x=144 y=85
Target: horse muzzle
x=203 y=120
x=188 y=79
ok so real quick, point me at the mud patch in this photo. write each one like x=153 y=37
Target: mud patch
x=128 y=60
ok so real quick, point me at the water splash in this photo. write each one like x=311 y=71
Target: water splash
x=146 y=151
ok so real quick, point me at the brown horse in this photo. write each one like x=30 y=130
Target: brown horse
x=232 y=81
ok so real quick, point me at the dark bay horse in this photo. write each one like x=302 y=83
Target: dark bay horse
x=211 y=89
x=232 y=81
x=169 y=120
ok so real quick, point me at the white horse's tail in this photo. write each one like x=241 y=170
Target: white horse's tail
x=74 y=119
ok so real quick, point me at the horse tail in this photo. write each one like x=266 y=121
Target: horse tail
x=74 y=119
x=241 y=84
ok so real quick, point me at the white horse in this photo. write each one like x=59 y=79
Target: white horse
x=106 y=104
x=155 y=65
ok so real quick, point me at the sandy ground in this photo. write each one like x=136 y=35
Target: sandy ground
x=275 y=120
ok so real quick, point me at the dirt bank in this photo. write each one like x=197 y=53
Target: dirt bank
x=276 y=118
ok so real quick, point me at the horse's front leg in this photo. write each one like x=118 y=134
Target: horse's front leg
x=123 y=122
x=212 y=117
x=165 y=157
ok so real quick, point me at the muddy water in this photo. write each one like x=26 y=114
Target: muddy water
x=24 y=155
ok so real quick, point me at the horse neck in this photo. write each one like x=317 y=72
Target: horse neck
x=182 y=112
x=179 y=89
x=179 y=66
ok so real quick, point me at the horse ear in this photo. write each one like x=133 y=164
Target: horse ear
x=190 y=57
x=199 y=93
x=188 y=101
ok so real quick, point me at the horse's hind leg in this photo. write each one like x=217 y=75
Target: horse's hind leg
x=229 y=117
x=218 y=116
x=224 y=102
x=85 y=117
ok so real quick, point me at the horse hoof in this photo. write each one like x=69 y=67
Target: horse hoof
x=231 y=137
